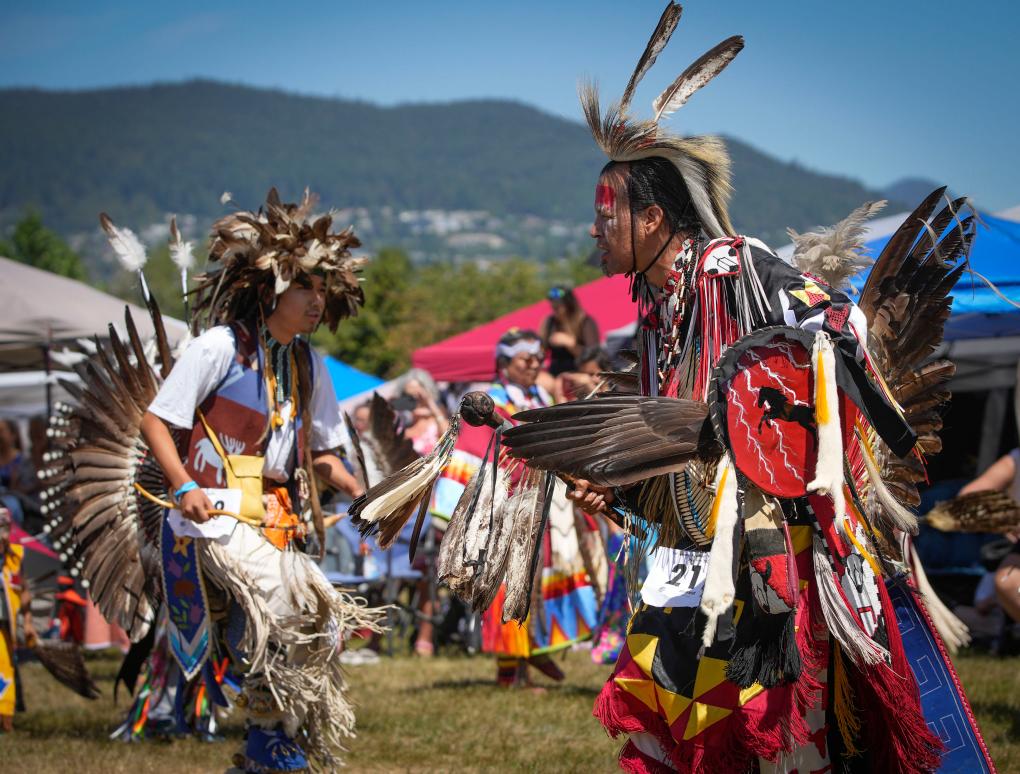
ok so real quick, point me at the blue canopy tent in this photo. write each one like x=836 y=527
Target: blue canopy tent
x=349 y=381
x=978 y=311
x=983 y=338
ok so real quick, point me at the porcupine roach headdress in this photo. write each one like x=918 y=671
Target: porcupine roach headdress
x=269 y=248
x=702 y=162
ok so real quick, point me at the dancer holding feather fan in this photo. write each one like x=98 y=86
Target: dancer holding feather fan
x=771 y=440
x=775 y=452
x=194 y=487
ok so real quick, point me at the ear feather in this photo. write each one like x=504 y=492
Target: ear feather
x=709 y=65
x=660 y=37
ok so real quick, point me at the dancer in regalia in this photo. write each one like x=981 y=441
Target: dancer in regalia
x=195 y=487
x=770 y=440
x=564 y=602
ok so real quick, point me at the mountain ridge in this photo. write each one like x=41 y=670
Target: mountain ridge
x=143 y=151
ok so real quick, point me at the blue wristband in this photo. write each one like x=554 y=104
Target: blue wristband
x=185 y=488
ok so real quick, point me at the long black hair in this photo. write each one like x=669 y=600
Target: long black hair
x=656 y=180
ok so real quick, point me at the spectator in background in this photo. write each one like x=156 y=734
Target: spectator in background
x=11 y=463
x=985 y=618
x=1004 y=476
x=11 y=457
x=567 y=332
x=425 y=423
x=361 y=416
x=418 y=401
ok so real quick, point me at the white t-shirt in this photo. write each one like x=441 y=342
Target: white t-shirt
x=202 y=367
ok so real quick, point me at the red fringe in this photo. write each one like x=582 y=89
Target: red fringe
x=636 y=762
x=893 y=726
x=783 y=730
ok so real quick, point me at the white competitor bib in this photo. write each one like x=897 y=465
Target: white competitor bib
x=676 y=578
x=217 y=526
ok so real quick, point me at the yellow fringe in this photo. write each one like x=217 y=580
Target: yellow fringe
x=865 y=442
x=868 y=557
x=716 y=504
x=846 y=719
x=821 y=392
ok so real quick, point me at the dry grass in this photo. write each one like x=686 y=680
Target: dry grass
x=413 y=715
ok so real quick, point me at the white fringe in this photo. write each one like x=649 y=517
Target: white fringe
x=719 y=591
x=829 y=468
x=296 y=659
x=953 y=631
x=840 y=621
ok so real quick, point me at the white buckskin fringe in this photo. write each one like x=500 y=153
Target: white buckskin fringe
x=296 y=658
x=840 y=621
x=953 y=631
x=719 y=591
x=829 y=467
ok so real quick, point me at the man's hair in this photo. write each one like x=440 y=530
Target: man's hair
x=655 y=180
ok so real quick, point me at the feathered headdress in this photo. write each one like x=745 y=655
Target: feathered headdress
x=703 y=162
x=269 y=248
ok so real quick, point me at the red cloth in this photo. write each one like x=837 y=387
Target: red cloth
x=471 y=356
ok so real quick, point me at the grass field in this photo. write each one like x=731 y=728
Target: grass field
x=443 y=714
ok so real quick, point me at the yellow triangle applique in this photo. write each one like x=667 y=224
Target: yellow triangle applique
x=800 y=538
x=642 y=650
x=672 y=704
x=642 y=689
x=738 y=609
x=703 y=716
x=711 y=672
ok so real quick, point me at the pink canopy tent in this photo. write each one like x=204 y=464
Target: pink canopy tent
x=470 y=356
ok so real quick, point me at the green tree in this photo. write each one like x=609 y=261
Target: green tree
x=408 y=307
x=365 y=341
x=32 y=243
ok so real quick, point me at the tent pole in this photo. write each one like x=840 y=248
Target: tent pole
x=991 y=428
x=49 y=387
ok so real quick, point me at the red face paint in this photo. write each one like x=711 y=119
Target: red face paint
x=605 y=198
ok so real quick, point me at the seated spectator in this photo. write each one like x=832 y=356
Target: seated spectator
x=11 y=463
x=1004 y=475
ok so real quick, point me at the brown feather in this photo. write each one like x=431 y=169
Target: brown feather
x=64 y=661
x=656 y=43
x=703 y=70
x=988 y=511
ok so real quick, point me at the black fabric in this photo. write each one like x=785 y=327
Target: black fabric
x=561 y=359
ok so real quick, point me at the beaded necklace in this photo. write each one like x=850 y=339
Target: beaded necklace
x=281 y=376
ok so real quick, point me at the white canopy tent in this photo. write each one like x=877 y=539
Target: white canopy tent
x=42 y=313
x=41 y=310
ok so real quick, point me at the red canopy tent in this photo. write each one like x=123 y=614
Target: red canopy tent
x=470 y=356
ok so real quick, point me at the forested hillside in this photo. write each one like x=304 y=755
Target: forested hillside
x=142 y=152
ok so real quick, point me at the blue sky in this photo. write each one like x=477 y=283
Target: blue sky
x=873 y=90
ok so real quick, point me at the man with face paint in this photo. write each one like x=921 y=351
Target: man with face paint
x=566 y=611
x=766 y=638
